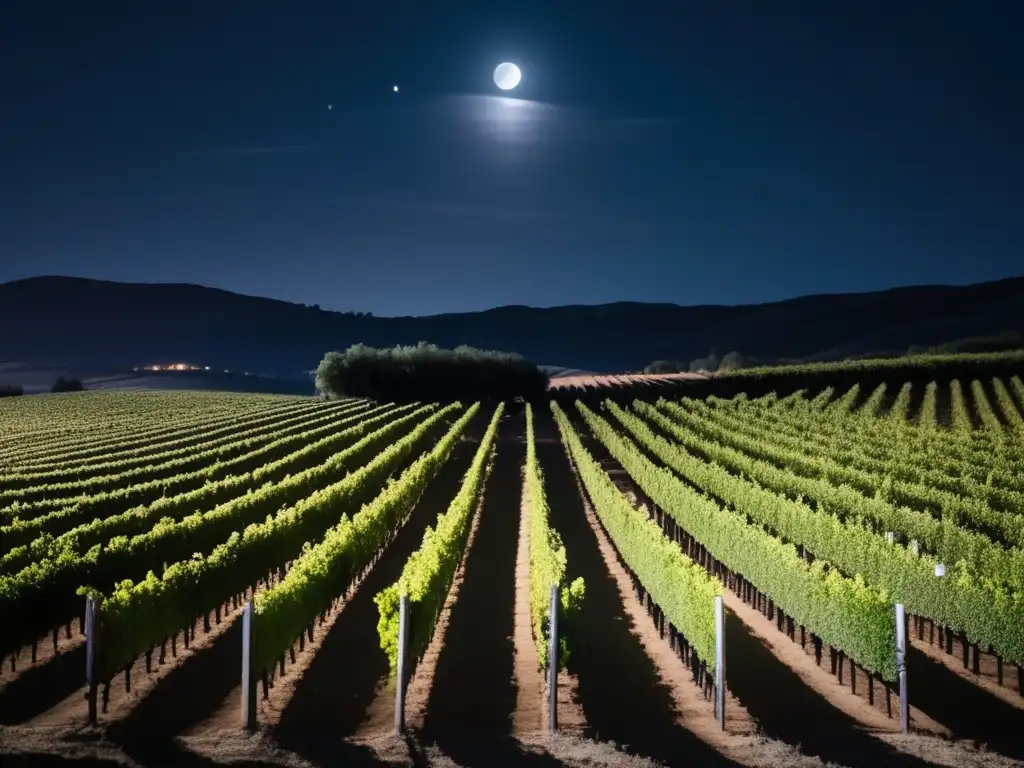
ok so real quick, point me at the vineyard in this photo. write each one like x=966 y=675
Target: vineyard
x=832 y=576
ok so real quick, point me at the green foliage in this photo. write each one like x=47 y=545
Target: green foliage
x=327 y=569
x=131 y=510
x=845 y=403
x=428 y=573
x=547 y=560
x=960 y=416
x=897 y=365
x=1012 y=414
x=979 y=596
x=135 y=617
x=846 y=613
x=680 y=587
x=988 y=417
x=874 y=402
x=426 y=372
x=831 y=470
x=234 y=455
x=11 y=390
x=900 y=408
x=928 y=418
x=42 y=595
x=996 y=342
x=49 y=430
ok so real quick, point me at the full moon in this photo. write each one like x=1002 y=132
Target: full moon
x=507 y=76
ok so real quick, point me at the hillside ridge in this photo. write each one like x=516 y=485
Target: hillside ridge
x=80 y=320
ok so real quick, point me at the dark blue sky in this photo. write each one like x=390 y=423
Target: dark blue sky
x=693 y=152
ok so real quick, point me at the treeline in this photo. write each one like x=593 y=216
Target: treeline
x=427 y=373
x=61 y=385
x=1004 y=341
x=996 y=342
x=713 y=363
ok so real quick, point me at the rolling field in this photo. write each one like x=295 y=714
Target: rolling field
x=184 y=517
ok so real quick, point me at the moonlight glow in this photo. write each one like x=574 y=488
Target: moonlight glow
x=507 y=76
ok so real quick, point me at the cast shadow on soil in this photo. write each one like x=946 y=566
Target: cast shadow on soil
x=966 y=709
x=42 y=686
x=619 y=688
x=784 y=707
x=188 y=694
x=788 y=710
x=482 y=752
x=337 y=688
x=171 y=754
x=36 y=760
x=473 y=698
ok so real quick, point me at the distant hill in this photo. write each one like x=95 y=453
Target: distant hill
x=100 y=325
x=37 y=378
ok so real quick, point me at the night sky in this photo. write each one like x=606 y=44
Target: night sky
x=691 y=152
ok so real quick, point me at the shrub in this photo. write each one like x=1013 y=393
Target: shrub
x=735 y=361
x=425 y=372
x=997 y=342
x=709 y=363
x=67 y=385
x=666 y=366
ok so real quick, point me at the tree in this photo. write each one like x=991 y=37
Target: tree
x=425 y=372
x=666 y=366
x=709 y=363
x=734 y=361
x=67 y=385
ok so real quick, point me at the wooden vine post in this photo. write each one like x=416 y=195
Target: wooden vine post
x=553 y=662
x=248 y=669
x=901 y=667
x=720 y=660
x=91 y=655
x=403 y=650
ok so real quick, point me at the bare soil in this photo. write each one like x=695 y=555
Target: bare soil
x=987 y=678
x=473 y=695
x=420 y=686
x=472 y=704
x=29 y=689
x=971 y=711
x=73 y=709
x=341 y=686
x=597 y=381
x=531 y=714
x=826 y=720
x=625 y=697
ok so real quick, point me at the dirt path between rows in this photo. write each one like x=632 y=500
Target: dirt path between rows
x=30 y=689
x=987 y=679
x=626 y=697
x=472 y=704
x=765 y=668
x=531 y=714
x=339 y=683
